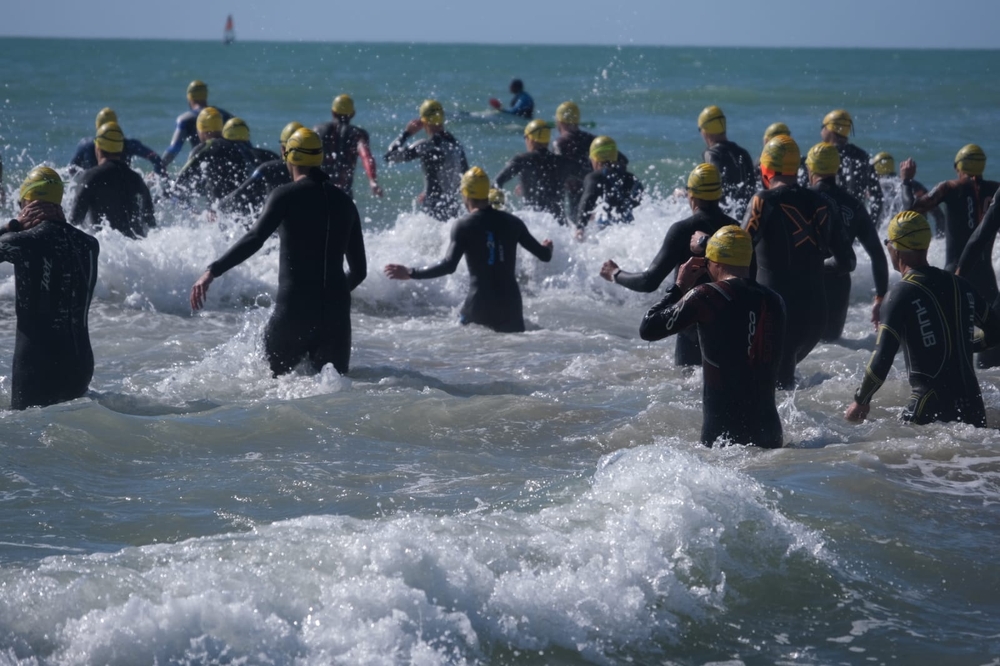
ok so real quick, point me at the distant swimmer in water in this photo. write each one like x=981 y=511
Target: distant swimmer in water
x=319 y=227
x=544 y=175
x=704 y=191
x=86 y=157
x=488 y=240
x=823 y=162
x=343 y=144
x=792 y=233
x=856 y=174
x=55 y=272
x=740 y=324
x=441 y=158
x=739 y=182
x=187 y=130
x=217 y=166
x=610 y=192
x=933 y=316
x=892 y=194
x=521 y=105
x=111 y=192
x=237 y=130
x=250 y=196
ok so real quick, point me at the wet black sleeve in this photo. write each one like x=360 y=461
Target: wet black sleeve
x=675 y=249
x=588 y=201
x=531 y=244
x=78 y=213
x=357 y=262
x=80 y=156
x=982 y=238
x=248 y=194
x=512 y=169
x=677 y=311
x=268 y=222
x=890 y=335
x=987 y=321
x=836 y=237
x=447 y=265
x=400 y=152
x=139 y=149
x=868 y=237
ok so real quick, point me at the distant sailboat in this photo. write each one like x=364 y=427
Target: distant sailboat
x=229 y=36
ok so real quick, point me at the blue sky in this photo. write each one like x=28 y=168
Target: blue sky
x=780 y=23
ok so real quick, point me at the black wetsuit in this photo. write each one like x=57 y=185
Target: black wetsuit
x=575 y=145
x=965 y=201
x=86 y=158
x=112 y=192
x=250 y=196
x=55 y=272
x=488 y=239
x=443 y=162
x=341 y=148
x=215 y=168
x=609 y=195
x=676 y=250
x=976 y=266
x=857 y=176
x=932 y=314
x=187 y=130
x=792 y=234
x=544 y=176
x=255 y=156
x=741 y=327
x=856 y=224
x=739 y=177
x=319 y=227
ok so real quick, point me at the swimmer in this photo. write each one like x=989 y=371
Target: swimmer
x=740 y=324
x=823 y=162
x=187 y=130
x=933 y=315
x=237 y=131
x=892 y=194
x=488 y=240
x=792 y=233
x=856 y=174
x=441 y=158
x=250 y=196
x=610 y=192
x=704 y=191
x=319 y=227
x=521 y=105
x=111 y=192
x=55 y=272
x=217 y=166
x=739 y=182
x=86 y=157
x=343 y=144
x=543 y=174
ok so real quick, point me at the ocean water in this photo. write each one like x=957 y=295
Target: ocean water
x=464 y=497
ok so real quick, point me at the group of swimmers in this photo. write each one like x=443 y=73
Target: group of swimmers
x=762 y=266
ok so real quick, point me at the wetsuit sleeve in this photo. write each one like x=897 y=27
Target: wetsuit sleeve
x=588 y=201
x=367 y=159
x=10 y=249
x=447 y=265
x=512 y=169
x=80 y=156
x=531 y=244
x=78 y=213
x=869 y=240
x=923 y=203
x=176 y=143
x=675 y=249
x=677 y=311
x=268 y=222
x=981 y=238
x=250 y=192
x=139 y=149
x=357 y=262
x=148 y=217
x=400 y=152
x=835 y=235
x=887 y=342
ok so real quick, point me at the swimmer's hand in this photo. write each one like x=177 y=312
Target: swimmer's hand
x=856 y=413
x=690 y=271
x=699 y=240
x=907 y=169
x=877 y=311
x=376 y=189
x=495 y=103
x=396 y=272
x=547 y=244
x=608 y=269
x=200 y=290
x=414 y=126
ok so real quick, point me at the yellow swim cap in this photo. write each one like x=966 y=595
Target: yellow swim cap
x=209 y=120
x=432 y=113
x=538 y=131
x=343 y=105
x=569 y=113
x=971 y=160
x=110 y=138
x=304 y=148
x=288 y=131
x=705 y=183
x=823 y=159
x=730 y=245
x=774 y=129
x=42 y=184
x=498 y=199
x=839 y=122
x=781 y=155
x=197 y=91
x=884 y=164
x=909 y=231
x=604 y=149
x=236 y=129
x=105 y=115
x=475 y=184
x=712 y=121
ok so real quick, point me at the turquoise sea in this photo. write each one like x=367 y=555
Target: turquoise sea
x=464 y=497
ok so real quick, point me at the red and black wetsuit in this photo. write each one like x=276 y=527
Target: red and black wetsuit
x=215 y=168
x=488 y=239
x=113 y=193
x=55 y=272
x=739 y=177
x=544 y=177
x=319 y=227
x=741 y=327
x=443 y=162
x=343 y=144
x=675 y=250
x=933 y=315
